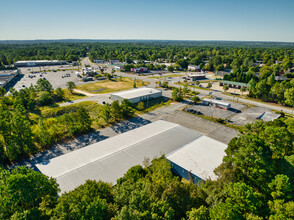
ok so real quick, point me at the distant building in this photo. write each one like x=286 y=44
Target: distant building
x=196 y=76
x=99 y=61
x=137 y=95
x=280 y=78
x=268 y=116
x=194 y=68
x=32 y=63
x=139 y=70
x=119 y=68
x=113 y=62
x=217 y=103
x=232 y=84
x=7 y=77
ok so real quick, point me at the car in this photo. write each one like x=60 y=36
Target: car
x=44 y=78
x=62 y=76
x=40 y=75
x=23 y=86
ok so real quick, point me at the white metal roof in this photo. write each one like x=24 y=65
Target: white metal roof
x=217 y=102
x=143 y=91
x=200 y=156
x=108 y=160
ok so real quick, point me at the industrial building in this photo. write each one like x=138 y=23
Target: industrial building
x=137 y=95
x=217 y=103
x=32 y=63
x=7 y=77
x=190 y=154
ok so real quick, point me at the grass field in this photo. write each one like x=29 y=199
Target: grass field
x=107 y=86
x=74 y=96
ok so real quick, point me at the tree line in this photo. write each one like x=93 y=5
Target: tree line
x=31 y=121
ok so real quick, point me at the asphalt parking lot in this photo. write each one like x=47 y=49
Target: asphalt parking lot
x=249 y=115
x=218 y=112
x=57 y=79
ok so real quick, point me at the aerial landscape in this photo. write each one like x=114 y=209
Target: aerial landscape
x=130 y=110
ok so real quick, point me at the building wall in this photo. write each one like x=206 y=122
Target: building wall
x=138 y=98
x=180 y=171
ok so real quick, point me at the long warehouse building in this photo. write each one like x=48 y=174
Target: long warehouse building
x=137 y=95
x=191 y=154
x=32 y=63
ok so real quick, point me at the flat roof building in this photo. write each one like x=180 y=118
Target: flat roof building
x=232 y=84
x=137 y=95
x=7 y=77
x=110 y=159
x=31 y=63
x=217 y=103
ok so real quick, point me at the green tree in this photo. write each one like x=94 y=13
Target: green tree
x=91 y=200
x=289 y=96
x=24 y=189
x=209 y=85
x=170 y=69
x=59 y=94
x=177 y=95
x=2 y=91
x=225 y=88
x=140 y=106
x=106 y=113
x=201 y=213
x=44 y=85
x=195 y=99
x=70 y=86
x=44 y=98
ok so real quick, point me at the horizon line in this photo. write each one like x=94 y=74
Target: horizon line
x=126 y=39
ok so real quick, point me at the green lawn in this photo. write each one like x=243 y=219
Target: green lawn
x=107 y=86
x=72 y=96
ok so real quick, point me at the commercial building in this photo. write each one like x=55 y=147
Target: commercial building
x=194 y=68
x=139 y=70
x=137 y=95
x=217 y=103
x=113 y=62
x=32 y=63
x=196 y=76
x=232 y=84
x=7 y=77
x=188 y=151
x=118 y=68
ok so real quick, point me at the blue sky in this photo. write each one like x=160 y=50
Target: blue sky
x=246 y=20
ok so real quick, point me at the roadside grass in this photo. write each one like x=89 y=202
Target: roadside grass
x=71 y=96
x=154 y=107
x=258 y=100
x=107 y=86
